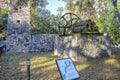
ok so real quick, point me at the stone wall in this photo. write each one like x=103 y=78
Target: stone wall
x=18 y=39
x=41 y=43
x=35 y=43
x=79 y=46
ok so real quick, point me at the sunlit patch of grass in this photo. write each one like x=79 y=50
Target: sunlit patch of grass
x=43 y=63
x=82 y=66
x=112 y=62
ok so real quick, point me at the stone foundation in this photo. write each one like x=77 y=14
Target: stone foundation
x=79 y=46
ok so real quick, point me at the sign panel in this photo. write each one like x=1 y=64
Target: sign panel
x=67 y=69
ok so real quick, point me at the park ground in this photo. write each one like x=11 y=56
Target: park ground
x=43 y=67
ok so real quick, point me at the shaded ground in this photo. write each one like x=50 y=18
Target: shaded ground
x=43 y=67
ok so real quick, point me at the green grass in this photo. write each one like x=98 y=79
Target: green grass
x=43 y=67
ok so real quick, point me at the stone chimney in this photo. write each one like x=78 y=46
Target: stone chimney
x=18 y=30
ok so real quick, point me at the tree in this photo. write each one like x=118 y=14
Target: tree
x=42 y=21
x=60 y=10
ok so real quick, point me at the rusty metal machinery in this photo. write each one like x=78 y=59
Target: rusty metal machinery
x=70 y=23
x=66 y=23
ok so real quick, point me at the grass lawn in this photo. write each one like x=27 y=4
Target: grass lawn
x=43 y=67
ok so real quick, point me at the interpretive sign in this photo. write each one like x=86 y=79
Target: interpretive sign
x=67 y=69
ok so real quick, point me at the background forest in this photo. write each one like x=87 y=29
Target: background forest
x=105 y=13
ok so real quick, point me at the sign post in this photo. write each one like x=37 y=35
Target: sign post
x=28 y=69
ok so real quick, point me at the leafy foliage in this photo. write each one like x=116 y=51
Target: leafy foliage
x=3 y=22
x=22 y=2
x=42 y=21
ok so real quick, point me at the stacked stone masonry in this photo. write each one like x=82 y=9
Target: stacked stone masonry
x=18 y=30
x=31 y=44
x=41 y=43
x=80 y=47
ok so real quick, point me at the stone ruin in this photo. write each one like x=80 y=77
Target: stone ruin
x=19 y=37
x=85 y=42
x=75 y=46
